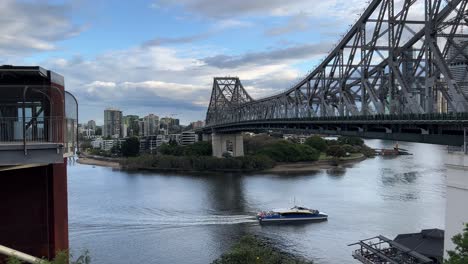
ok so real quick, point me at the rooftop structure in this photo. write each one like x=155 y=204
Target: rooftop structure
x=38 y=132
x=381 y=250
x=38 y=118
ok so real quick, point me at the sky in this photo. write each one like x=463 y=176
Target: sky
x=160 y=56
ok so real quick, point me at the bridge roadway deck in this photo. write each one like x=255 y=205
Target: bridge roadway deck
x=442 y=129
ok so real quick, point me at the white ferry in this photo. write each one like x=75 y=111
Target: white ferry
x=296 y=213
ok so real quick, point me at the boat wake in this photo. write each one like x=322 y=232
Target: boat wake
x=93 y=225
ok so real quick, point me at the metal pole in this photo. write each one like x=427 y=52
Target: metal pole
x=465 y=140
x=20 y=255
x=25 y=89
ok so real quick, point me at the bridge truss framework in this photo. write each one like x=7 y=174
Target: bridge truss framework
x=400 y=57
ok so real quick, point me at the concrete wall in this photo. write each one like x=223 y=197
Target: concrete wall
x=33 y=210
x=219 y=143
x=456 y=213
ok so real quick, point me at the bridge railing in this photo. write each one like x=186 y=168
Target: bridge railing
x=409 y=117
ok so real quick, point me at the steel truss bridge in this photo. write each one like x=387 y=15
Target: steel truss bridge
x=402 y=68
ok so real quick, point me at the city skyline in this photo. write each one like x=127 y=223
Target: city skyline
x=132 y=55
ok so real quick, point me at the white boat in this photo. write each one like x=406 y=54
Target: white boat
x=294 y=214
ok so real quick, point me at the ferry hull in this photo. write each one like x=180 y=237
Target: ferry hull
x=291 y=219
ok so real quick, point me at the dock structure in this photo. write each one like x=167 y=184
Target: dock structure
x=382 y=250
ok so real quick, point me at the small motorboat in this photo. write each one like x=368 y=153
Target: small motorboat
x=295 y=214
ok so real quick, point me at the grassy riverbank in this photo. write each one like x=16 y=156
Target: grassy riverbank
x=250 y=249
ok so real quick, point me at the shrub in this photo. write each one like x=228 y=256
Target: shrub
x=367 y=151
x=252 y=250
x=171 y=149
x=317 y=143
x=252 y=144
x=200 y=148
x=348 y=148
x=354 y=141
x=131 y=147
x=198 y=163
x=460 y=254
x=284 y=151
x=336 y=151
x=332 y=142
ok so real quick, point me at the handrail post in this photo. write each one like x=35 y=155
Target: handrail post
x=465 y=140
x=25 y=89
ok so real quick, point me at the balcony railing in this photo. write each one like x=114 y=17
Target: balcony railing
x=30 y=131
x=23 y=257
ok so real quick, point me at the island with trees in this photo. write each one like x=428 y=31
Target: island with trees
x=262 y=153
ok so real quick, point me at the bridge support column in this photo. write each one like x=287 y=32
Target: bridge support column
x=223 y=143
x=457 y=195
x=206 y=137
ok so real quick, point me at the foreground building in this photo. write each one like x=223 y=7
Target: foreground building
x=38 y=131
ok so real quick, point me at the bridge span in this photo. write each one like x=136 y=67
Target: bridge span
x=400 y=73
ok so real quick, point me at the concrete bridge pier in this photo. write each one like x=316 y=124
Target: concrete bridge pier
x=223 y=143
x=456 y=214
x=206 y=137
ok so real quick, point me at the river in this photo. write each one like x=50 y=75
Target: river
x=123 y=217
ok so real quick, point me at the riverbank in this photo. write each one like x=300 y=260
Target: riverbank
x=99 y=161
x=251 y=249
x=312 y=166
x=284 y=167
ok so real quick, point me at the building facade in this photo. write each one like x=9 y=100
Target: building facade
x=92 y=125
x=112 y=123
x=198 y=124
x=188 y=138
x=151 y=125
x=38 y=134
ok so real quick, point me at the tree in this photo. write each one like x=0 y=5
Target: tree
x=116 y=149
x=336 y=151
x=317 y=143
x=131 y=147
x=285 y=151
x=460 y=254
x=200 y=148
x=98 y=131
x=170 y=149
x=85 y=145
x=353 y=141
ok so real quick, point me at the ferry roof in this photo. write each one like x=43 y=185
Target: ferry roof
x=293 y=210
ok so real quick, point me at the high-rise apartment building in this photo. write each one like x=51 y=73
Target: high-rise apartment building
x=112 y=123
x=92 y=124
x=132 y=125
x=151 y=125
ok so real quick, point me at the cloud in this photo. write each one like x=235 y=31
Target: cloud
x=33 y=26
x=298 y=22
x=156 y=79
x=235 y=8
x=180 y=40
x=219 y=27
x=300 y=52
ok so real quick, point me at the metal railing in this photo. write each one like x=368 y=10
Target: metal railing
x=20 y=255
x=34 y=130
x=31 y=129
